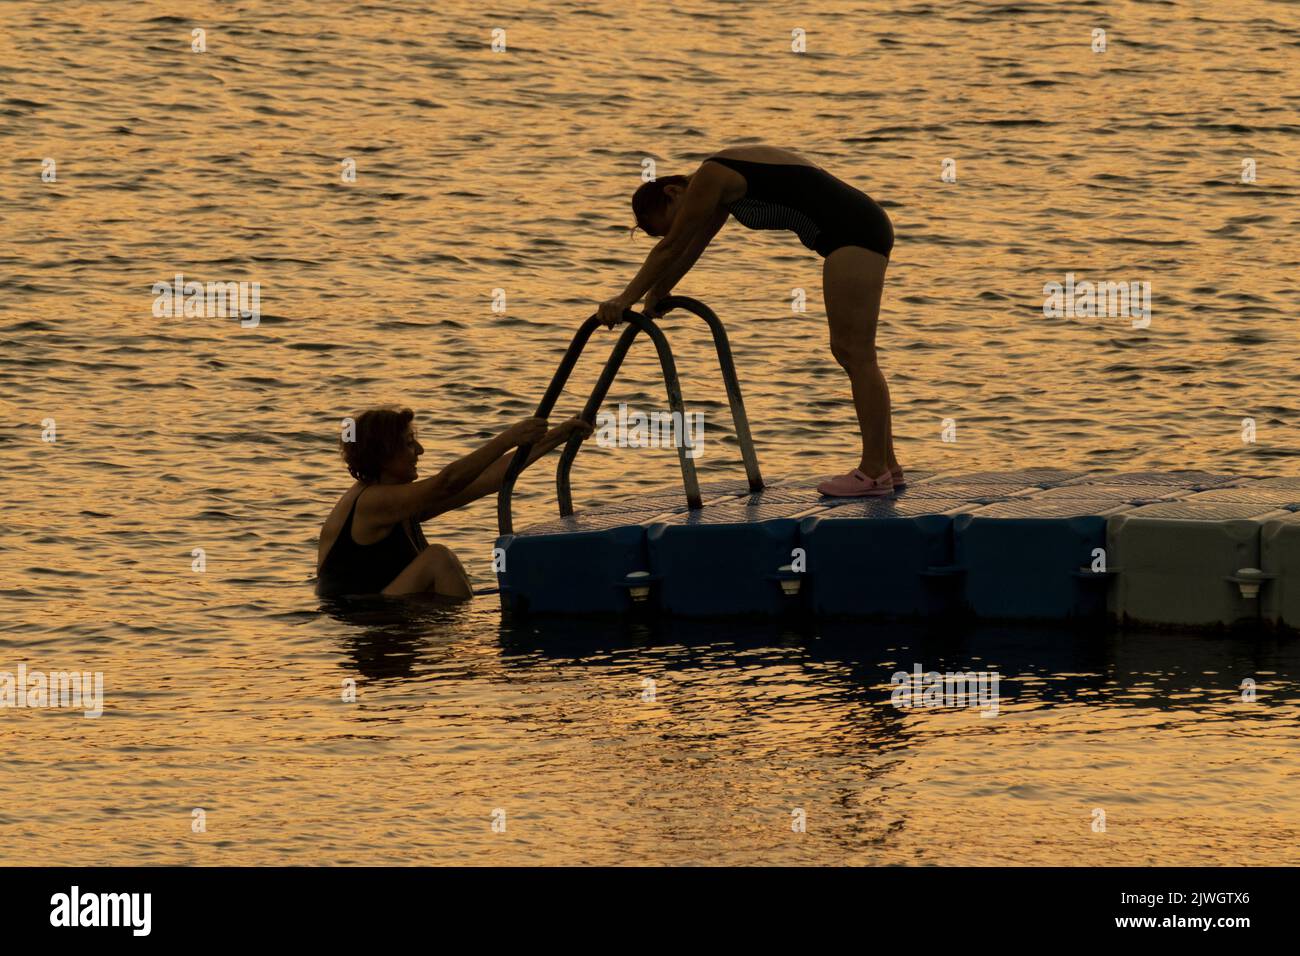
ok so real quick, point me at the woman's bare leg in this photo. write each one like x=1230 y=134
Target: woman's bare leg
x=435 y=570
x=853 y=280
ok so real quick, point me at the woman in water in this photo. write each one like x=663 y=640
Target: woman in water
x=765 y=187
x=372 y=542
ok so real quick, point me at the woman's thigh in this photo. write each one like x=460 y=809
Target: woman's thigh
x=436 y=569
x=853 y=281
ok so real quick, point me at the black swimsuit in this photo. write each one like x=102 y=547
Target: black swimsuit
x=352 y=568
x=825 y=212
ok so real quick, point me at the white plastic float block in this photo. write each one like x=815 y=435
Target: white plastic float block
x=1174 y=562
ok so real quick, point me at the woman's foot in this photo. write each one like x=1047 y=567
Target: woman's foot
x=896 y=472
x=856 y=484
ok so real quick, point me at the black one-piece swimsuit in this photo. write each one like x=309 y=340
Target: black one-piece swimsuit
x=823 y=211
x=352 y=568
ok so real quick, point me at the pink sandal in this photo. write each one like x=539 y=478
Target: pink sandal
x=856 y=484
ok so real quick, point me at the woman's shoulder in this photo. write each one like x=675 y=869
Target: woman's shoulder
x=335 y=521
x=341 y=507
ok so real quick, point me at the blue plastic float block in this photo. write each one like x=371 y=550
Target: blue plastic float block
x=1032 y=559
x=1174 y=561
x=1279 y=554
x=574 y=565
x=724 y=559
x=881 y=557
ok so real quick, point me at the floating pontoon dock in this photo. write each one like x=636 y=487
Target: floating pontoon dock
x=1185 y=548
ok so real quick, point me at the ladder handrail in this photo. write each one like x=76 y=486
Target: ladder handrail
x=728 y=368
x=637 y=323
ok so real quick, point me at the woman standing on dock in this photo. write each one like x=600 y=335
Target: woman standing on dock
x=766 y=187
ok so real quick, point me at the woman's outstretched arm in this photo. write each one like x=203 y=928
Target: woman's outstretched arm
x=489 y=482
x=389 y=504
x=694 y=225
x=685 y=261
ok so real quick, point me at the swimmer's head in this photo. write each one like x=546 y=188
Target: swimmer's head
x=384 y=446
x=655 y=204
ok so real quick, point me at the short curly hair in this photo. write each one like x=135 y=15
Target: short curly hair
x=650 y=199
x=378 y=433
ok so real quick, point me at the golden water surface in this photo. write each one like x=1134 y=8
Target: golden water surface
x=481 y=170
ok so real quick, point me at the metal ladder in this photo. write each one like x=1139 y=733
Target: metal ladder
x=637 y=323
